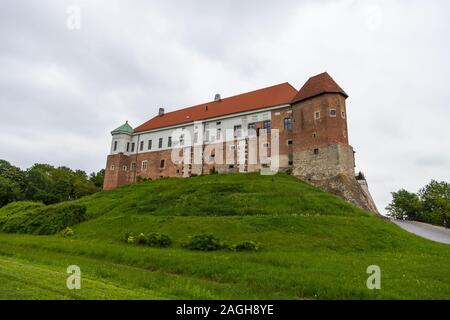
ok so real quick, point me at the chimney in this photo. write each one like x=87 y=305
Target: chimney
x=161 y=112
x=217 y=97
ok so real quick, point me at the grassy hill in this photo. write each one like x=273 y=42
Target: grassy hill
x=314 y=246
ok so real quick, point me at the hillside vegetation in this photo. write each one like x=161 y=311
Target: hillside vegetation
x=313 y=246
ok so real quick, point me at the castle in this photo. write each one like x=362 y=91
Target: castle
x=305 y=129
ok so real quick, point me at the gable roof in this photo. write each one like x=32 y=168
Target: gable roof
x=322 y=83
x=263 y=98
x=125 y=128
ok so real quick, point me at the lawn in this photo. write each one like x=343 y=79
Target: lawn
x=314 y=246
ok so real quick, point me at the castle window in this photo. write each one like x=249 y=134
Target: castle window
x=267 y=125
x=160 y=143
x=182 y=140
x=218 y=123
x=144 y=165
x=162 y=164
x=219 y=134
x=207 y=136
x=314 y=135
x=132 y=147
x=252 y=129
x=115 y=145
x=237 y=131
x=113 y=167
x=333 y=113
x=290 y=163
x=128 y=147
x=149 y=147
x=316 y=151
x=289 y=142
x=288 y=124
x=317 y=115
x=169 y=142
x=141 y=146
x=343 y=115
x=133 y=166
x=124 y=168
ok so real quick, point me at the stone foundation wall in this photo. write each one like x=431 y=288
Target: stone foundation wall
x=325 y=162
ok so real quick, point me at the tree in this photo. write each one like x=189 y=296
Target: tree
x=13 y=173
x=404 y=205
x=9 y=191
x=98 y=178
x=436 y=202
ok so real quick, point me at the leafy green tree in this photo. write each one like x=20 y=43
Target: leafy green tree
x=98 y=178
x=436 y=202
x=404 y=205
x=13 y=173
x=9 y=191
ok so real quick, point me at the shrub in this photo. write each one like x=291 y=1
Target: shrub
x=131 y=240
x=213 y=171
x=158 y=240
x=246 y=246
x=141 y=239
x=204 y=242
x=67 y=232
x=127 y=235
x=45 y=220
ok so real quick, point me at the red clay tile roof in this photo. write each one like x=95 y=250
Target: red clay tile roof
x=322 y=83
x=263 y=98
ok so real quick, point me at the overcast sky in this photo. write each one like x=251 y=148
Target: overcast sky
x=63 y=90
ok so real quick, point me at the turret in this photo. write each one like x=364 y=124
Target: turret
x=121 y=139
x=321 y=149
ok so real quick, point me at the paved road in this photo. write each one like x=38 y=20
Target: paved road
x=438 y=234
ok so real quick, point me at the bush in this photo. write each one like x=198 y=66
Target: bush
x=126 y=236
x=45 y=220
x=213 y=171
x=246 y=246
x=204 y=242
x=131 y=240
x=68 y=232
x=158 y=240
x=141 y=239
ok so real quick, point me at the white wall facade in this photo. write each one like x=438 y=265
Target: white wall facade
x=225 y=123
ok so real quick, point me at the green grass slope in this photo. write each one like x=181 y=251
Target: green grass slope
x=315 y=246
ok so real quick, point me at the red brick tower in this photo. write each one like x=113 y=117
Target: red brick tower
x=321 y=152
x=320 y=147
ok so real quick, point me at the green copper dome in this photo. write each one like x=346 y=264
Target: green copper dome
x=125 y=128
